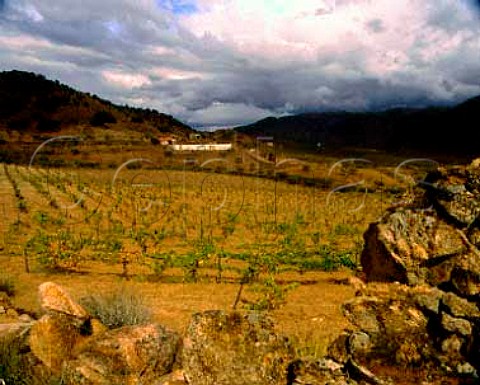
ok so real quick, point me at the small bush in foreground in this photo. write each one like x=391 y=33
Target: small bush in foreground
x=119 y=308
x=12 y=363
x=7 y=285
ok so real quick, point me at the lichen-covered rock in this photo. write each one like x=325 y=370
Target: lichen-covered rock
x=379 y=315
x=359 y=344
x=55 y=336
x=465 y=276
x=456 y=325
x=348 y=345
x=8 y=313
x=456 y=203
x=452 y=347
x=12 y=313
x=391 y=326
x=128 y=355
x=52 y=340
x=339 y=349
x=25 y=318
x=433 y=240
x=54 y=299
x=467 y=370
x=427 y=298
x=474 y=236
x=421 y=327
x=412 y=247
x=96 y=327
x=432 y=322
x=234 y=348
x=454 y=194
x=318 y=372
x=460 y=307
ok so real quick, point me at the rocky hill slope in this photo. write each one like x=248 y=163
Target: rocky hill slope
x=451 y=130
x=30 y=103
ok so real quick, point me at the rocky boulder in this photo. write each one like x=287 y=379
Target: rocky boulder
x=433 y=240
x=392 y=324
x=5 y=303
x=318 y=372
x=418 y=327
x=69 y=342
x=128 y=355
x=454 y=194
x=411 y=246
x=8 y=312
x=54 y=299
x=234 y=348
x=53 y=339
x=406 y=327
x=428 y=316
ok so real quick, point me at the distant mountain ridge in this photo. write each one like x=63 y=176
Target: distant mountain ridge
x=30 y=103
x=453 y=130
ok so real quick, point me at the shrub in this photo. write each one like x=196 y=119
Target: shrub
x=12 y=363
x=272 y=295
x=48 y=125
x=101 y=118
x=119 y=308
x=137 y=119
x=333 y=260
x=7 y=285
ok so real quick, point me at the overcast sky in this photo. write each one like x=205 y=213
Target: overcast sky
x=229 y=62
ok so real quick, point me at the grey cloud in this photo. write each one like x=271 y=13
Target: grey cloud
x=452 y=18
x=85 y=24
x=227 y=114
x=276 y=92
x=375 y=26
x=91 y=36
x=309 y=89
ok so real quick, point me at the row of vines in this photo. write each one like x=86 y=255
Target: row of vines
x=178 y=225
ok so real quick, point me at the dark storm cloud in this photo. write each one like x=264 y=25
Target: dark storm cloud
x=108 y=26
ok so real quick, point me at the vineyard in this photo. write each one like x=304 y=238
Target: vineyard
x=158 y=221
x=197 y=238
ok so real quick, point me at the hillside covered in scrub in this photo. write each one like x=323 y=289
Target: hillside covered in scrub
x=32 y=104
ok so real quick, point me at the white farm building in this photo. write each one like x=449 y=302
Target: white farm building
x=201 y=147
